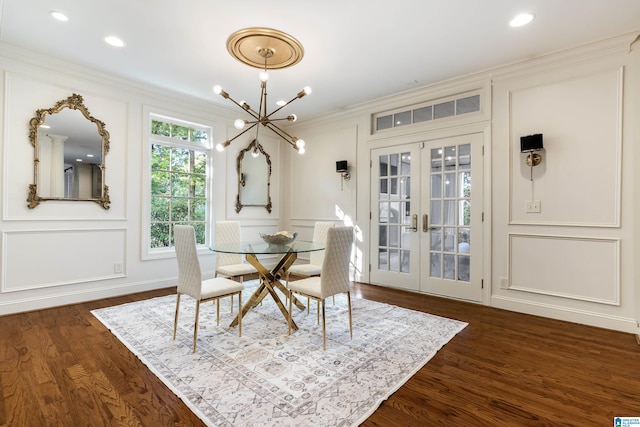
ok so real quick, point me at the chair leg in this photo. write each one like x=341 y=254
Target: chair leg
x=175 y=321
x=324 y=328
x=218 y=311
x=195 y=326
x=318 y=309
x=350 y=320
x=239 y=313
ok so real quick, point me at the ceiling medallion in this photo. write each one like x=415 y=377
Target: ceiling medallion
x=250 y=46
x=267 y=49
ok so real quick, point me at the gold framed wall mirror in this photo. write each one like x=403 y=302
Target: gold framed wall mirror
x=254 y=177
x=69 y=147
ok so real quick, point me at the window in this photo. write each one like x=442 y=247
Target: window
x=426 y=111
x=179 y=159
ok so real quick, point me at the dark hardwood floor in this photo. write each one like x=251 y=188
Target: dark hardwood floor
x=62 y=367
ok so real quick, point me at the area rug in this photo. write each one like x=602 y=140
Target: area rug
x=270 y=378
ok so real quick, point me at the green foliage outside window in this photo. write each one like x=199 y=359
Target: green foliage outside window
x=178 y=183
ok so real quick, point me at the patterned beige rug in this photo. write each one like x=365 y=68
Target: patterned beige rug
x=268 y=378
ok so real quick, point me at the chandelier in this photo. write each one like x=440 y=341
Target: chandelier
x=267 y=49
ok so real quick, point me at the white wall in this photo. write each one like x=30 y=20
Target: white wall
x=317 y=192
x=62 y=252
x=576 y=260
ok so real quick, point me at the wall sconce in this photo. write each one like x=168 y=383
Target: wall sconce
x=343 y=169
x=530 y=144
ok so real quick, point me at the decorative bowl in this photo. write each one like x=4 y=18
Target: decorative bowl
x=279 y=238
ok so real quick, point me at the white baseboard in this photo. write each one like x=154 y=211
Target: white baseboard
x=589 y=318
x=64 y=296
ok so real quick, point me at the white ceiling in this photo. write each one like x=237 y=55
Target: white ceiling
x=355 y=50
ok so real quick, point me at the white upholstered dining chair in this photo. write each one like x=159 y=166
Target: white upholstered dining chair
x=190 y=280
x=230 y=265
x=314 y=268
x=334 y=278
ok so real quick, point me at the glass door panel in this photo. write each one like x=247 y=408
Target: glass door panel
x=395 y=241
x=454 y=217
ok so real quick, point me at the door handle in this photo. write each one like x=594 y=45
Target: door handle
x=425 y=224
x=414 y=223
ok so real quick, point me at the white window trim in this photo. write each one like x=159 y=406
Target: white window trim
x=147 y=253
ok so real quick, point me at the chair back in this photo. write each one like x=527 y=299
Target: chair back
x=189 y=274
x=227 y=232
x=319 y=235
x=335 y=268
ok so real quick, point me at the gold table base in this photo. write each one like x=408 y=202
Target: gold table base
x=269 y=282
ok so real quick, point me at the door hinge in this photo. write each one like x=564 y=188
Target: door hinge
x=370 y=163
x=482 y=284
x=370 y=216
x=482 y=217
x=483 y=150
x=369 y=268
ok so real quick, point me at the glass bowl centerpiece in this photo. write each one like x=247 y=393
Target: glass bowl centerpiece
x=280 y=237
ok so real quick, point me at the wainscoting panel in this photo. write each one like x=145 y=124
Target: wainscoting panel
x=578 y=182
x=37 y=259
x=313 y=176
x=586 y=269
x=23 y=96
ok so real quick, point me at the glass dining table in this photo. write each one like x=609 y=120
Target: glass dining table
x=269 y=277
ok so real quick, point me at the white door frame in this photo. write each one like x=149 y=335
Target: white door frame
x=482 y=127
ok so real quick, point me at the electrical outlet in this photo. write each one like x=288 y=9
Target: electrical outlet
x=117 y=267
x=533 y=206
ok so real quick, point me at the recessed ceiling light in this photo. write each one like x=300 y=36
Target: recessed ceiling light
x=59 y=16
x=114 y=41
x=522 y=19
x=89 y=155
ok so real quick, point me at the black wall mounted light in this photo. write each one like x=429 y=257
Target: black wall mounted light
x=342 y=168
x=530 y=144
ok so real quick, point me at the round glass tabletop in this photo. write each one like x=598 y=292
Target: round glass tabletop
x=260 y=247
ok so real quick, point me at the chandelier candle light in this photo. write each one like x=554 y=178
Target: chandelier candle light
x=267 y=49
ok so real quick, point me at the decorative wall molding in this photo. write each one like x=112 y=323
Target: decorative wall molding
x=23 y=95
x=579 y=268
x=48 y=258
x=579 y=179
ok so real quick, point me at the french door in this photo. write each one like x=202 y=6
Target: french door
x=395 y=189
x=426 y=217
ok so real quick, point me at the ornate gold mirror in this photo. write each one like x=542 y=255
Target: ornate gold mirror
x=254 y=177
x=69 y=148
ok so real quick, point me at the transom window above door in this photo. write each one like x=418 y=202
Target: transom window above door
x=426 y=111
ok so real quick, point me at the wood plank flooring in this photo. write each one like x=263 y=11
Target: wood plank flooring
x=62 y=367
